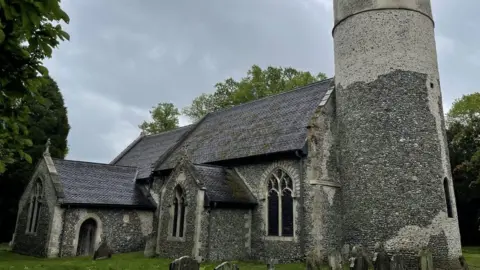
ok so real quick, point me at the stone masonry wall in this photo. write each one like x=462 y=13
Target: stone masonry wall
x=35 y=244
x=229 y=234
x=168 y=246
x=125 y=230
x=393 y=156
x=323 y=193
x=263 y=247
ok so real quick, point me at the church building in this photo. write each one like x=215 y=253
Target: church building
x=352 y=160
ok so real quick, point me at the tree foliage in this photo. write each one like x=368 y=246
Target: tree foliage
x=165 y=117
x=47 y=120
x=257 y=84
x=29 y=30
x=463 y=135
x=465 y=109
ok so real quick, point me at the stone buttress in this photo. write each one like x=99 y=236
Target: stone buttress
x=393 y=156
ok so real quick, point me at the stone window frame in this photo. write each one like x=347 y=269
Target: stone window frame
x=35 y=206
x=179 y=198
x=448 y=197
x=98 y=233
x=292 y=173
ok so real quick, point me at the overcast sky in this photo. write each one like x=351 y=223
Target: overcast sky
x=125 y=56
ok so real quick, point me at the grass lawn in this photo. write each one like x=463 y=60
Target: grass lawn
x=134 y=261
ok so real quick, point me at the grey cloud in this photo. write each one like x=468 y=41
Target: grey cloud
x=125 y=56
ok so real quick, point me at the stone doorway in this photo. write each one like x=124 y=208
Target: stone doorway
x=86 y=238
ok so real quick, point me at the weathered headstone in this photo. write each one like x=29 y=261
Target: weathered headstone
x=335 y=260
x=380 y=258
x=227 y=266
x=103 y=251
x=425 y=259
x=351 y=258
x=361 y=260
x=463 y=263
x=397 y=263
x=346 y=252
x=313 y=260
x=271 y=264
x=149 y=251
x=184 y=263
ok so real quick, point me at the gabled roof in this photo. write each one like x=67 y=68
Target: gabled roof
x=223 y=185
x=144 y=151
x=87 y=183
x=273 y=124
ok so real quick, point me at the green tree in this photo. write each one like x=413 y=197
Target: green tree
x=463 y=136
x=165 y=117
x=47 y=120
x=257 y=84
x=465 y=109
x=29 y=30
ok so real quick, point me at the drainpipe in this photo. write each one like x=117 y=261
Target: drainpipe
x=300 y=154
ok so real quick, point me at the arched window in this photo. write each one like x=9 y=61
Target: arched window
x=178 y=213
x=36 y=200
x=447 y=198
x=280 y=204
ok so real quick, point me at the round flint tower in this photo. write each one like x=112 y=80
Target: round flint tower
x=394 y=160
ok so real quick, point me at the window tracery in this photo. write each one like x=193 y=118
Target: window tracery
x=280 y=204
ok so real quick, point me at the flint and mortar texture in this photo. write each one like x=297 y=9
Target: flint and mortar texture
x=228 y=234
x=285 y=249
x=35 y=244
x=167 y=246
x=323 y=195
x=125 y=230
x=391 y=132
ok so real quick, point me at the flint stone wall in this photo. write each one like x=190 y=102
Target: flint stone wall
x=125 y=230
x=35 y=244
x=229 y=234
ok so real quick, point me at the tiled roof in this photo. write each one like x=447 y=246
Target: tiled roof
x=223 y=185
x=269 y=125
x=148 y=149
x=100 y=184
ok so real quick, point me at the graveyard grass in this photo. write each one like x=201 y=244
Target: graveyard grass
x=134 y=261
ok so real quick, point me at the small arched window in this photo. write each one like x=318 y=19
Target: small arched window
x=280 y=204
x=447 y=198
x=178 y=213
x=36 y=199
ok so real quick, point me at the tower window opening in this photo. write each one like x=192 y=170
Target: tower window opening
x=447 y=198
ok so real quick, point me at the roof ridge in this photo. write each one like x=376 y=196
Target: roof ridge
x=272 y=96
x=96 y=163
x=168 y=131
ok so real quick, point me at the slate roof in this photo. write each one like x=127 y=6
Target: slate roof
x=89 y=183
x=223 y=185
x=144 y=152
x=270 y=125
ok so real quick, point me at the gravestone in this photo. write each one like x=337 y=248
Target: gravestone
x=346 y=252
x=361 y=260
x=227 y=266
x=335 y=260
x=271 y=264
x=380 y=258
x=397 y=263
x=313 y=260
x=103 y=251
x=184 y=263
x=425 y=259
x=463 y=263
x=149 y=251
